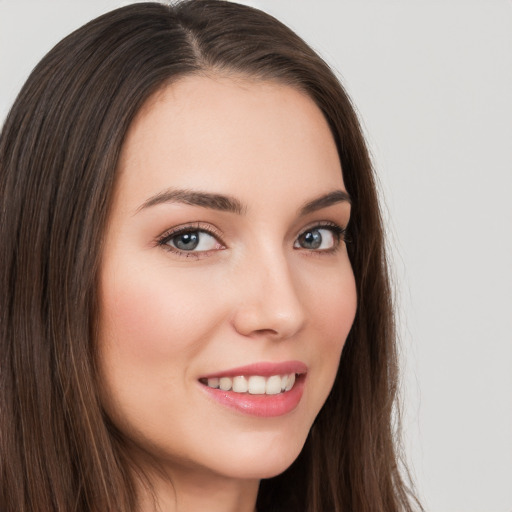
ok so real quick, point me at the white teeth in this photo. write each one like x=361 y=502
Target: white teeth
x=257 y=385
x=213 y=383
x=240 y=385
x=254 y=384
x=273 y=386
x=290 y=382
x=225 y=383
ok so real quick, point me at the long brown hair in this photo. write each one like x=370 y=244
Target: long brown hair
x=59 y=150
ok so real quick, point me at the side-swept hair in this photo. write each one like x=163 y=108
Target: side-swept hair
x=59 y=151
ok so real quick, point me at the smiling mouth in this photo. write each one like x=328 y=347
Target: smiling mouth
x=254 y=384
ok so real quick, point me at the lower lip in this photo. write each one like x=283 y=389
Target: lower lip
x=264 y=406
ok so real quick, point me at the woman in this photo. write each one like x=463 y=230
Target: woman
x=189 y=319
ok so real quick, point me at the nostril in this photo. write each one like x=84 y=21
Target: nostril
x=266 y=332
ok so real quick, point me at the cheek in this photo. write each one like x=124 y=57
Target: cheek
x=152 y=326
x=152 y=317
x=332 y=304
x=332 y=308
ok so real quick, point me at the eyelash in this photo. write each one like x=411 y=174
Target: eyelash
x=166 y=237
x=339 y=234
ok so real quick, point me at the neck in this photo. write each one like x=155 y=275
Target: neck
x=189 y=490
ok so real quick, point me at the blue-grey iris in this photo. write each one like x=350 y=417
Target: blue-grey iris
x=311 y=239
x=186 y=241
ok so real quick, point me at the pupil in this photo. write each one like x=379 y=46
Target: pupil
x=187 y=241
x=312 y=239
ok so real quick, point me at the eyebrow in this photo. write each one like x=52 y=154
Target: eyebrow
x=230 y=204
x=219 y=202
x=334 y=197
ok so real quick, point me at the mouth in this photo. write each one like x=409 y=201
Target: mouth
x=253 y=384
x=261 y=389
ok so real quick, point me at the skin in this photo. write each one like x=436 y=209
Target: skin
x=254 y=294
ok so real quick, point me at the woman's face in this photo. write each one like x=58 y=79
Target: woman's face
x=224 y=265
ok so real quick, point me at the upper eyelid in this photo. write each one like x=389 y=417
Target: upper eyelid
x=340 y=230
x=323 y=224
x=195 y=226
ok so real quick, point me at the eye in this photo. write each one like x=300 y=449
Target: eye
x=190 y=240
x=320 y=238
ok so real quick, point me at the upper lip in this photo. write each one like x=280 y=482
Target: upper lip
x=265 y=369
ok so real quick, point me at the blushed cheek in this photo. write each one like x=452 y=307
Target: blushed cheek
x=334 y=305
x=149 y=320
x=335 y=311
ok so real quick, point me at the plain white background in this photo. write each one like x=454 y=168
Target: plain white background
x=432 y=81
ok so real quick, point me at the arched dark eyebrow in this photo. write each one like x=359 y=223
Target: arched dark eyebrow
x=195 y=198
x=334 y=197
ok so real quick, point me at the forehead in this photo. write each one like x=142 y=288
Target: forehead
x=230 y=135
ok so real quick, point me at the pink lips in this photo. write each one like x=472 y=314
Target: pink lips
x=260 y=405
x=263 y=369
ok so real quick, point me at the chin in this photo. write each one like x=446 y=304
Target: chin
x=262 y=458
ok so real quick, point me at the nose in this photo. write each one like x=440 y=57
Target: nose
x=268 y=300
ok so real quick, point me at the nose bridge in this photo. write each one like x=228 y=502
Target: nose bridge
x=269 y=300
